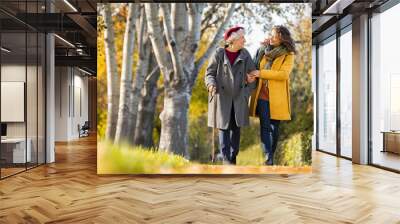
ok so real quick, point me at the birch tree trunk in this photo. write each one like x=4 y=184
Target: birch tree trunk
x=147 y=107
x=112 y=76
x=124 y=118
x=174 y=122
x=176 y=60
x=144 y=49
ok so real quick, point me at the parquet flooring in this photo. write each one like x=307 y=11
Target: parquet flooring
x=10 y=171
x=70 y=191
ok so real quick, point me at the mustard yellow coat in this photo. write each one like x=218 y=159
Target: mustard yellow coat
x=278 y=86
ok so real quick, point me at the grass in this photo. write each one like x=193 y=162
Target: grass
x=290 y=152
x=293 y=153
x=124 y=159
x=252 y=156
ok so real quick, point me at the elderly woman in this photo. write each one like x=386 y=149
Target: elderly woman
x=229 y=89
x=271 y=100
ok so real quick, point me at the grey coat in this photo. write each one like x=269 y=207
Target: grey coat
x=231 y=88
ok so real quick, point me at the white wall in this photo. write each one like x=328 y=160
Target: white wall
x=14 y=73
x=62 y=81
x=80 y=94
x=71 y=94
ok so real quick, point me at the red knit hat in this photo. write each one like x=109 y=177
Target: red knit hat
x=231 y=30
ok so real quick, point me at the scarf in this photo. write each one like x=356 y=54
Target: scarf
x=273 y=52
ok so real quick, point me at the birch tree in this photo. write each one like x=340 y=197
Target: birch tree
x=144 y=50
x=122 y=131
x=176 y=60
x=112 y=75
x=147 y=107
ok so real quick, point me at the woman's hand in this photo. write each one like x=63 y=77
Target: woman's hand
x=255 y=73
x=212 y=90
x=252 y=76
x=249 y=78
x=266 y=41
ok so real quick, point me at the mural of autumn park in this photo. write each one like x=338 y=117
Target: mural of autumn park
x=153 y=100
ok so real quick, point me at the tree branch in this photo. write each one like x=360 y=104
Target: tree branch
x=199 y=63
x=210 y=17
x=159 y=49
x=140 y=25
x=152 y=75
x=179 y=76
x=195 y=11
x=179 y=22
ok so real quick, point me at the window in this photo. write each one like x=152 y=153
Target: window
x=385 y=86
x=327 y=96
x=346 y=93
x=22 y=83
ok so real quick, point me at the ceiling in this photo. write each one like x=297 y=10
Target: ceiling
x=74 y=22
x=328 y=16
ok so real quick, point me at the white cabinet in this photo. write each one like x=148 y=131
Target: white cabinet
x=18 y=149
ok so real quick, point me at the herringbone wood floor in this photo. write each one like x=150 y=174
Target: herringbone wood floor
x=70 y=191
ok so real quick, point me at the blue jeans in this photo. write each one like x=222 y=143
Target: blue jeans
x=229 y=139
x=269 y=128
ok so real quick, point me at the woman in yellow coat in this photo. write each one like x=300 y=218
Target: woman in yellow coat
x=271 y=99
